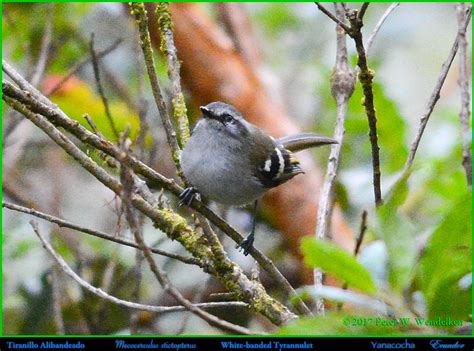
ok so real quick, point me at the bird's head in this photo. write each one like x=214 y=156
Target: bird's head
x=224 y=118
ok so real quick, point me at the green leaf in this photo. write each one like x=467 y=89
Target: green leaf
x=398 y=234
x=336 y=261
x=446 y=259
x=395 y=198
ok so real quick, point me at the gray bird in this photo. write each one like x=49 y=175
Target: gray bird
x=233 y=162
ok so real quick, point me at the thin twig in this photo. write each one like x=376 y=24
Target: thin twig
x=78 y=66
x=344 y=26
x=360 y=238
x=135 y=226
x=435 y=95
x=96 y=291
x=139 y=12
x=363 y=229
x=96 y=233
x=91 y=123
x=363 y=8
x=198 y=295
x=464 y=113
x=342 y=87
x=120 y=88
x=100 y=88
x=24 y=84
x=379 y=24
x=366 y=77
x=214 y=243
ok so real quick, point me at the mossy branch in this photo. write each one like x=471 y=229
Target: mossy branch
x=168 y=48
x=137 y=9
x=49 y=117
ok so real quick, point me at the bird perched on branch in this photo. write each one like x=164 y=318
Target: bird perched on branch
x=233 y=162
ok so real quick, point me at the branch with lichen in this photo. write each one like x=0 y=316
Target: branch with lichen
x=139 y=13
x=171 y=223
x=36 y=103
x=168 y=48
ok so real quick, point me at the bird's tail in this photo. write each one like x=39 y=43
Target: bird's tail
x=304 y=141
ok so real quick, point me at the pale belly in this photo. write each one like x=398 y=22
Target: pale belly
x=215 y=177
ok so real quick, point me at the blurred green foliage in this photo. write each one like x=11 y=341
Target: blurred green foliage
x=398 y=234
x=80 y=98
x=446 y=259
x=336 y=261
x=391 y=128
x=276 y=18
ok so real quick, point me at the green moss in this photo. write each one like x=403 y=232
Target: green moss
x=164 y=22
x=177 y=228
x=181 y=117
x=366 y=77
x=137 y=9
x=174 y=224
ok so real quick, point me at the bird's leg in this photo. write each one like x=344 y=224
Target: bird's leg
x=187 y=196
x=247 y=243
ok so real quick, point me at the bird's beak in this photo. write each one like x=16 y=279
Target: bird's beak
x=205 y=112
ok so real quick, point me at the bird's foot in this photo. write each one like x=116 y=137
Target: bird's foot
x=246 y=245
x=187 y=196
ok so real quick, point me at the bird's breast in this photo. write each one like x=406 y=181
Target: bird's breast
x=218 y=170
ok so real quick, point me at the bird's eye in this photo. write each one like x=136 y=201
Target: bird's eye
x=226 y=118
